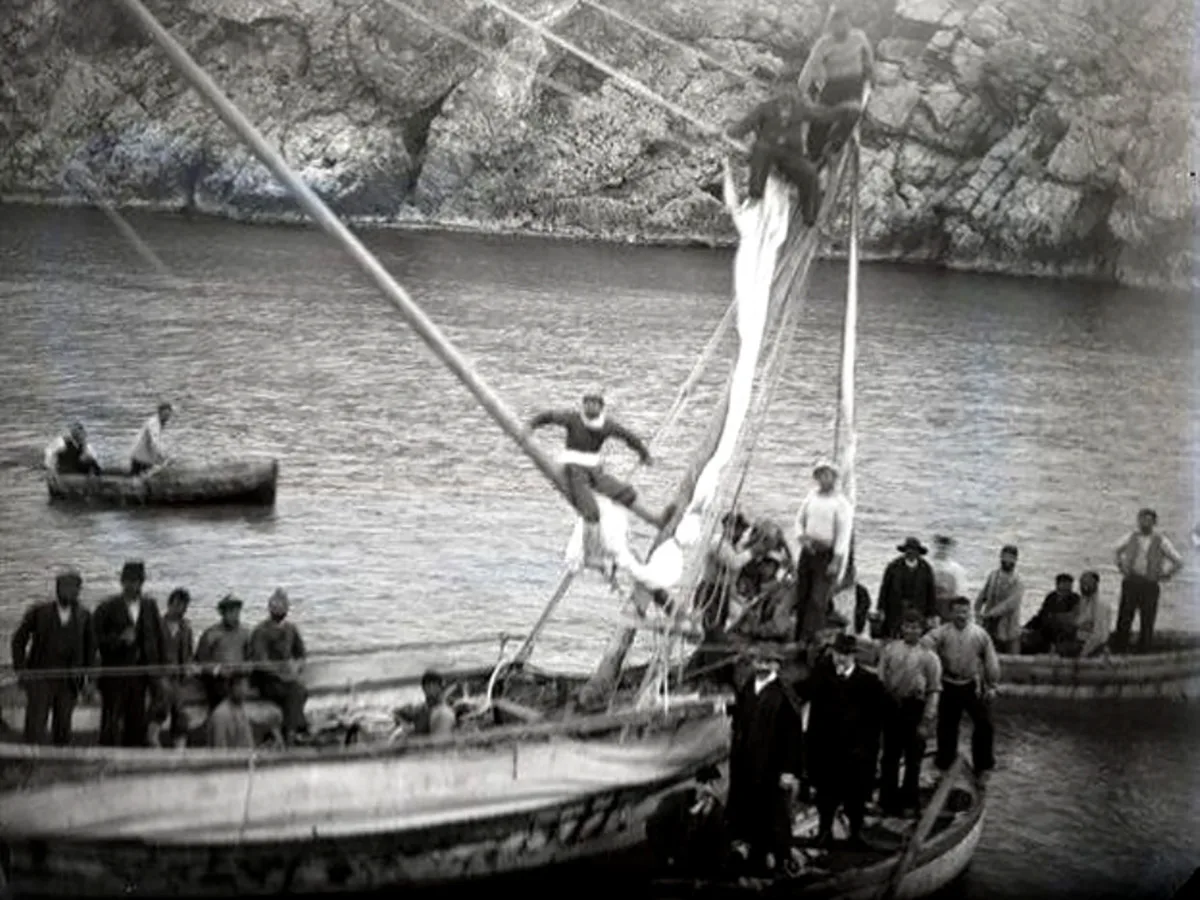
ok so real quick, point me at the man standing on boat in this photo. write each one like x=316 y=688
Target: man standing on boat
x=1145 y=559
x=179 y=645
x=844 y=63
x=949 y=577
x=908 y=583
x=588 y=428
x=998 y=606
x=129 y=634
x=912 y=676
x=278 y=642
x=970 y=674
x=55 y=635
x=823 y=525
x=148 y=450
x=70 y=454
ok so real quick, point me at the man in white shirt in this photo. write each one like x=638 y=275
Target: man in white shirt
x=823 y=525
x=949 y=577
x=148 y=449
x=1145 y=559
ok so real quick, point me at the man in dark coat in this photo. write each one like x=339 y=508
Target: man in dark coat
x=55 y=635
x=844 y=725
x=908 y=583
x=1054 y=624
x=129 y=633
x=765 y=764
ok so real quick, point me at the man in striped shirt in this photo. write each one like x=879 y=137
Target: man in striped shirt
x=970 y=673
x=823 y=525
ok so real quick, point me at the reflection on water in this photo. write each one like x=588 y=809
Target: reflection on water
x=995 y=410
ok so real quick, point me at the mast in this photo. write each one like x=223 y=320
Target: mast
x=316 y=208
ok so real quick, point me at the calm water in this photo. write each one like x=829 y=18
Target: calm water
x=995 y=410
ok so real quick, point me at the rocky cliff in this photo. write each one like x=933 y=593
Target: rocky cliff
x=1014 y=135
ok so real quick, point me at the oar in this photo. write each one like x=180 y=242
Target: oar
x=924 y=826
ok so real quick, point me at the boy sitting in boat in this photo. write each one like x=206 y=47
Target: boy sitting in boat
x=433 y=716
x=70 y=454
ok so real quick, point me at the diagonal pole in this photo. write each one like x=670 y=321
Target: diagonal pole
x=316 y=208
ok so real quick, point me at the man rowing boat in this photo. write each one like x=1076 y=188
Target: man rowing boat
x=588 y=428
x=148 y=451
x=71 y=455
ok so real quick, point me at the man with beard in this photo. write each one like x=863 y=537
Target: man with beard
x=278 y=642
x=765 y=763
x=1093 y=623
x=1054 y=624
x=998 y=606
x=846 y=714
x=1145 y=559
x=908 y=583
x=129 y=634
x=55 y=635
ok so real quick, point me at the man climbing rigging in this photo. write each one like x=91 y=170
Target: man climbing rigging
x=779 y=142
x=843 y=62
x=588 y=428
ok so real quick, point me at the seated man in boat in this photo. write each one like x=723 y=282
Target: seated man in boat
x=148 y=450
x=69 y=454
x=1093 y=621
x=722 y=565
x=223 y=648
x=1054 y=623
x=844 y=64
x=278 y=642
x=432 y=717
x=779 y=129
x=228 y=726
x=588 y=428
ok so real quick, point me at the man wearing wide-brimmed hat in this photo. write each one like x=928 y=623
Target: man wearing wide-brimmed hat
x=129 y=634
x=908 y=583
x=823 y=526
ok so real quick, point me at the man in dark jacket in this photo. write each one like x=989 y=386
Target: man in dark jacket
x=779 y=141
x=1054 y=624
x=56 y=635
x=844 y=725
x=908 y=583
x=765 y=764
x=129 y=633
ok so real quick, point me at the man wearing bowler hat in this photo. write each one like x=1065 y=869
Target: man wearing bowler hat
x=908 y=583
x=129 y=634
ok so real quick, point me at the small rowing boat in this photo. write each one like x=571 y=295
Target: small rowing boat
x=232 y=482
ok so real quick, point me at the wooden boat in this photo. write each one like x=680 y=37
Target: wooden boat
x=1172 y=671
x=248 y=482
x=865 y=875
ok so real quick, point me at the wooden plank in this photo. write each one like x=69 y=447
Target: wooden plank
x=924 y=826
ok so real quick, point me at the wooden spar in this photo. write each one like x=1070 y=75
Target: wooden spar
x=685 y=391
x=845 y=437
x=620 y=77
x=315 y=207
x=674 y=42
x=924 y=826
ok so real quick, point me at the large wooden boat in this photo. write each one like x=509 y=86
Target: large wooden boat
x=1171 y=671
x=231 y=482
x=866 y=874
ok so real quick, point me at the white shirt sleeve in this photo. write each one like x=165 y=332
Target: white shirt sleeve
x=52 y=452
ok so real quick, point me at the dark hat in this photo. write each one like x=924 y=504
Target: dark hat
x=708 y=774
x=1010 y=549
x=133 y=569
x=180 y=594
x=1090 y=572
x=942 y=540
x=1064 y=576
x=912 y=543
x=229 y=601
x=432 y=676
x=1147 y=511
x=845 y=643
x=68 y=576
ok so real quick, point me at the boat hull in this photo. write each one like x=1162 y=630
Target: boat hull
x=425 y=816
x=250 y=483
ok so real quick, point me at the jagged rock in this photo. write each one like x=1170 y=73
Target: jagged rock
x=1018 y=135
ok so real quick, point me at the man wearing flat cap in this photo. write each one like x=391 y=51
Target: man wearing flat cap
x=908 y=583
x=223 y=650
x=53 y=635
x=1145 y=558
x=823 y=525
x=129 y=634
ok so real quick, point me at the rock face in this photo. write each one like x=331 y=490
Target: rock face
x=1011 y=135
